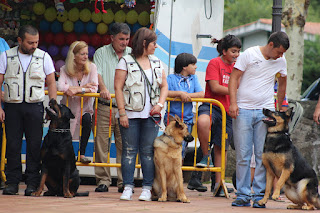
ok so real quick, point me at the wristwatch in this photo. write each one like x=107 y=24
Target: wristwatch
x=160 y=104
x=83 y=90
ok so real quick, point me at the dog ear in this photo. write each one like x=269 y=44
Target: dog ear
x=171 y=118
x=178 y=125
x=176 y=117
x=71 y=115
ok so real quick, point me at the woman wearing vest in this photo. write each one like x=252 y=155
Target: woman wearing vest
x=141 y=90
x=78 y=76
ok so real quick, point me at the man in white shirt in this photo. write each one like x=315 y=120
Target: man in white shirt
x=24 y=70
x=255 y=69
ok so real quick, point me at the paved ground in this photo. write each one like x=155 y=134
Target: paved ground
x=109 y=202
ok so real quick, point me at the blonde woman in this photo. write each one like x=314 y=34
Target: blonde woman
x=79 y=76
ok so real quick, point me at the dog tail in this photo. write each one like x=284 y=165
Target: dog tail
x=82 y=194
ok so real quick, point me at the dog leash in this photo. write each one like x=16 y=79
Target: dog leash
x=59 y=130
x=157 y=115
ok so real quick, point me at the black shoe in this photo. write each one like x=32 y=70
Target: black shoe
x=120 y=189
x=195 y=182
x=102 y=188
x=11 y=189
x=29 y=190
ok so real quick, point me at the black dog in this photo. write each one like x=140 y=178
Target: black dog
x=59 y=172
x=282 y=159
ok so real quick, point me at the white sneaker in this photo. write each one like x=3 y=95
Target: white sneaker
x=127 y=194
x=145 y=195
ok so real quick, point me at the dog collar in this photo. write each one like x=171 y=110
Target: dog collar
x=59 y=130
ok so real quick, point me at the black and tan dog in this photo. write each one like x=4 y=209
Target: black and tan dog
x=168 y=181
x=58 y=171
x=282 y=159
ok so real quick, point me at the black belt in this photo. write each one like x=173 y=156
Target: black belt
x=106 y=103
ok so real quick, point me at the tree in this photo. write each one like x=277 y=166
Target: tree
x=294 y=18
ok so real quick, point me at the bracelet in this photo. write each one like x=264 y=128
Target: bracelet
x=160 y=104
x=122 y=114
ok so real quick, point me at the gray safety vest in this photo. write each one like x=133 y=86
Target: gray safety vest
x=28 y=86
x=134 y=90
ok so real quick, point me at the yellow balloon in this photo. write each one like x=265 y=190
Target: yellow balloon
x=85 y=15
x=73 y=14
x=108 y=17
x=68 y=26
x=50 y=14
x=144 y=18
x=102 y=28
x=120 y=16
x=62 y=17
x=39 y=8
x=96 y=17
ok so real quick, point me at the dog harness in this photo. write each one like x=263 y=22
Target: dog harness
x=134 y=90
x=26 y=86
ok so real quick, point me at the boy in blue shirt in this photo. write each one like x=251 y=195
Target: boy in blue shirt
x=184 y=84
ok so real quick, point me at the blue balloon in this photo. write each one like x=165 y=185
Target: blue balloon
x=91 y=27
x=136 y=27
x=78 y=27
x=43 y=47
x=44 y=25
x=64 y=51
x=91 y=51
x=53 y=50
x=56 y=27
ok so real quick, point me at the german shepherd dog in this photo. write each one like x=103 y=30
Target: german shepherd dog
x=282 y=160
x=168 y=181
x=58 y=171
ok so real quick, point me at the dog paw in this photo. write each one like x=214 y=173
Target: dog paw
x=186 y=200
x=306 y=207
x=68 y=195
x=162 y=199
x=262 y=201
x=36 y=193
x=275 y=196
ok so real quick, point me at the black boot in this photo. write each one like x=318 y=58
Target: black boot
x=195 y=182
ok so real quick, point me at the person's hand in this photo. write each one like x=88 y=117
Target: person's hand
x=90 y=85
x=105 y=94
x=123 y=118
x=316 y=115
x=72 y=91
x=233 y=111
x=156 y=109
x=2 y=115
x=184 y=96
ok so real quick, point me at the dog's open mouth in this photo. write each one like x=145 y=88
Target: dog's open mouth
x=270 y=121
x=51 y=113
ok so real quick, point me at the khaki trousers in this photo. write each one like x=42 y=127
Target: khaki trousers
x=102 y=145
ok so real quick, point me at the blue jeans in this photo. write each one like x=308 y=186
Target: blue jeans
x=249 y=130
x=138 y=137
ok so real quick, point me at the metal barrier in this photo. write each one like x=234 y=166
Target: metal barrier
x=224 y=136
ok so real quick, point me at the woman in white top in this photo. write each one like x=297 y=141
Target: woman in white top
x=141 y=90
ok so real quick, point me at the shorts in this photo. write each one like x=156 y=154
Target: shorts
x=216 y=127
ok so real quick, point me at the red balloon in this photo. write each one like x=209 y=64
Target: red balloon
x=130 y=42
x=106 y=40
x=48 y=37
x=59 y=39
x=70 y=38
x=95 y=40
x=41 y=37
x=84 y=37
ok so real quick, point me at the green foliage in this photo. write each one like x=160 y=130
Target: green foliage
x=311 y=63
x=237 y=12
